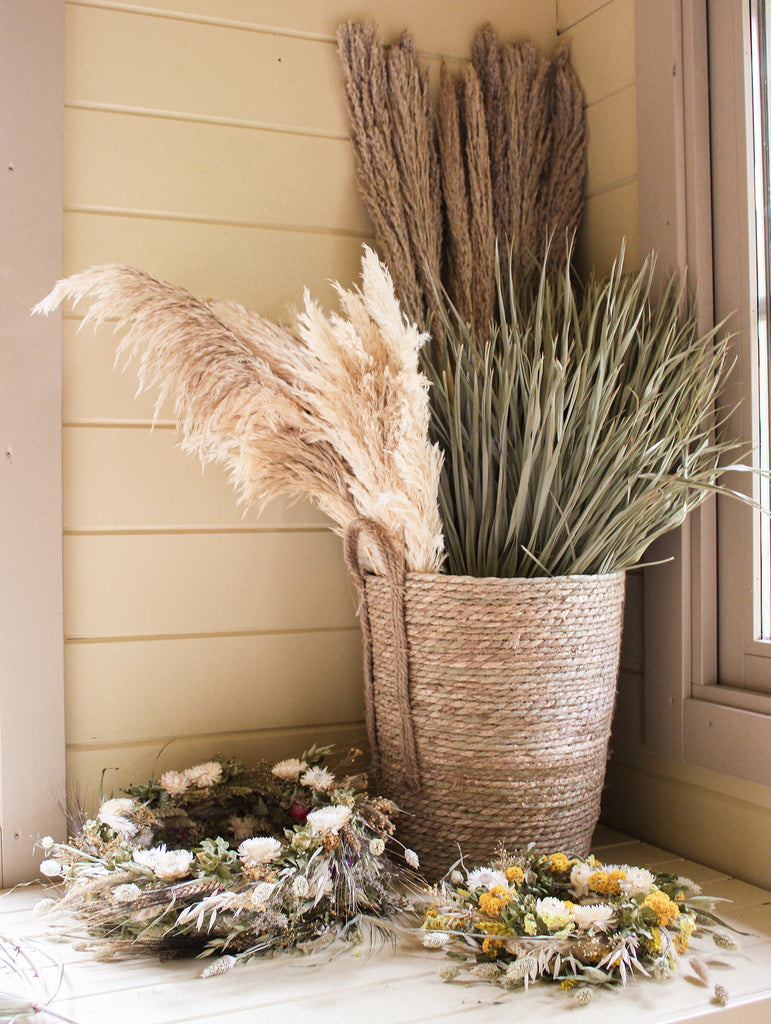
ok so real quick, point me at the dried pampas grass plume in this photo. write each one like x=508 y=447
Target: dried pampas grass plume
x=333 y=407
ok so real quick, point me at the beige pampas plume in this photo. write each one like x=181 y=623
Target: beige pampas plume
x=333 y=407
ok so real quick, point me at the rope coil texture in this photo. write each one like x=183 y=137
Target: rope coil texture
x=508 y=686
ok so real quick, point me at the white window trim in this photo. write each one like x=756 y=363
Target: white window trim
x=687 y=717
x=32 y=739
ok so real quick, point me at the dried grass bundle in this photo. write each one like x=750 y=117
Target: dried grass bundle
x=562 y=196
x=333 y=408
x=480 y=190
x=487 y=60
x=414 y=140
x=458 y=264
x=366 y=89
x=527 y=78
x=511 y=160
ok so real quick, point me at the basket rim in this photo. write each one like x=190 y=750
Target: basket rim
x=508 y=580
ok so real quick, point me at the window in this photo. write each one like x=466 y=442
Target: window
x=708 y=668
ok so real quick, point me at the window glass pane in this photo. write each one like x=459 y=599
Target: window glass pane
x=762 y=181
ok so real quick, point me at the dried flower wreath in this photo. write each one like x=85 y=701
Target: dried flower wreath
x=233 y=862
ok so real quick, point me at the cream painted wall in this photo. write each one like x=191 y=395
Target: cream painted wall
x=206 y=141
x=714 y=818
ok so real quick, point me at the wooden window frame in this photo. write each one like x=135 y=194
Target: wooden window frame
x=32 y=738
x=690 y=715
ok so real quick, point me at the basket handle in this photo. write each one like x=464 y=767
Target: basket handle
x=393 y=560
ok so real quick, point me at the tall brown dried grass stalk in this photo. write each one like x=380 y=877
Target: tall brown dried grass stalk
x=511 y=160
x=333 y=407
x=457 y=199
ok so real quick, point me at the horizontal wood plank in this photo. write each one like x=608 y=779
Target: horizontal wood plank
x=263 y=269
x=138 y=479
x=138 y=762
x=612 y=140
x=208 y=70
x=247 y=683
x=609 y=218
x=213 y=171
x=450 y=34
x=179 y=584
x=569 y=12
x=602 y=50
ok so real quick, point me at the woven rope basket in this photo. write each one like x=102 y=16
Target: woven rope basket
x=489 y=706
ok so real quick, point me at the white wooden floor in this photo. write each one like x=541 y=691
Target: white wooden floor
x=403 y=986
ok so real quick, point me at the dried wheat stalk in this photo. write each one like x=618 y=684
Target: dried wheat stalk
x=366 y=90
x=562 y=196
x=480 y=192
x=414 y=140
x=530 y=147
x=487 y=60
x=333 y=408
x=457 y=198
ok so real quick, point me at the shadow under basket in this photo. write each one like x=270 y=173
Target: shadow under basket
x=489 y=707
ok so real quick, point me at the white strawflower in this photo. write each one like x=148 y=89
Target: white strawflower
x=329 y=819
x=376 y=847
x=435 y=940
x=688 y=886
x=553 y=912
x=638 y=881
x=203 y=775
x=258 y=850
x=485 y=878
x=167 y=865
x=317 y=778
x=290 y=769
x=47 y=842
x=126 y=893
x=242 y=828
x=579 y=879
x=51 y=868
x=113 y=814
x=594 y=915
x=174 y=783
x=412 y=859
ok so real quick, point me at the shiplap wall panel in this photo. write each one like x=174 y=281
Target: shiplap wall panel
x=156 y=584
x=249 y=682
x=206 y=141
x=258 y=267
x=612 y=141
x=119 y=479
x=206 y=71
x=137 y=762
x=176 y=167
x=609 y=218
x=569 y=12
x=447 y=29
x=602 y=50
x=601 y=37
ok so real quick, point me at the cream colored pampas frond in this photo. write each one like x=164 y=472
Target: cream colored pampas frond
x=333 y=407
